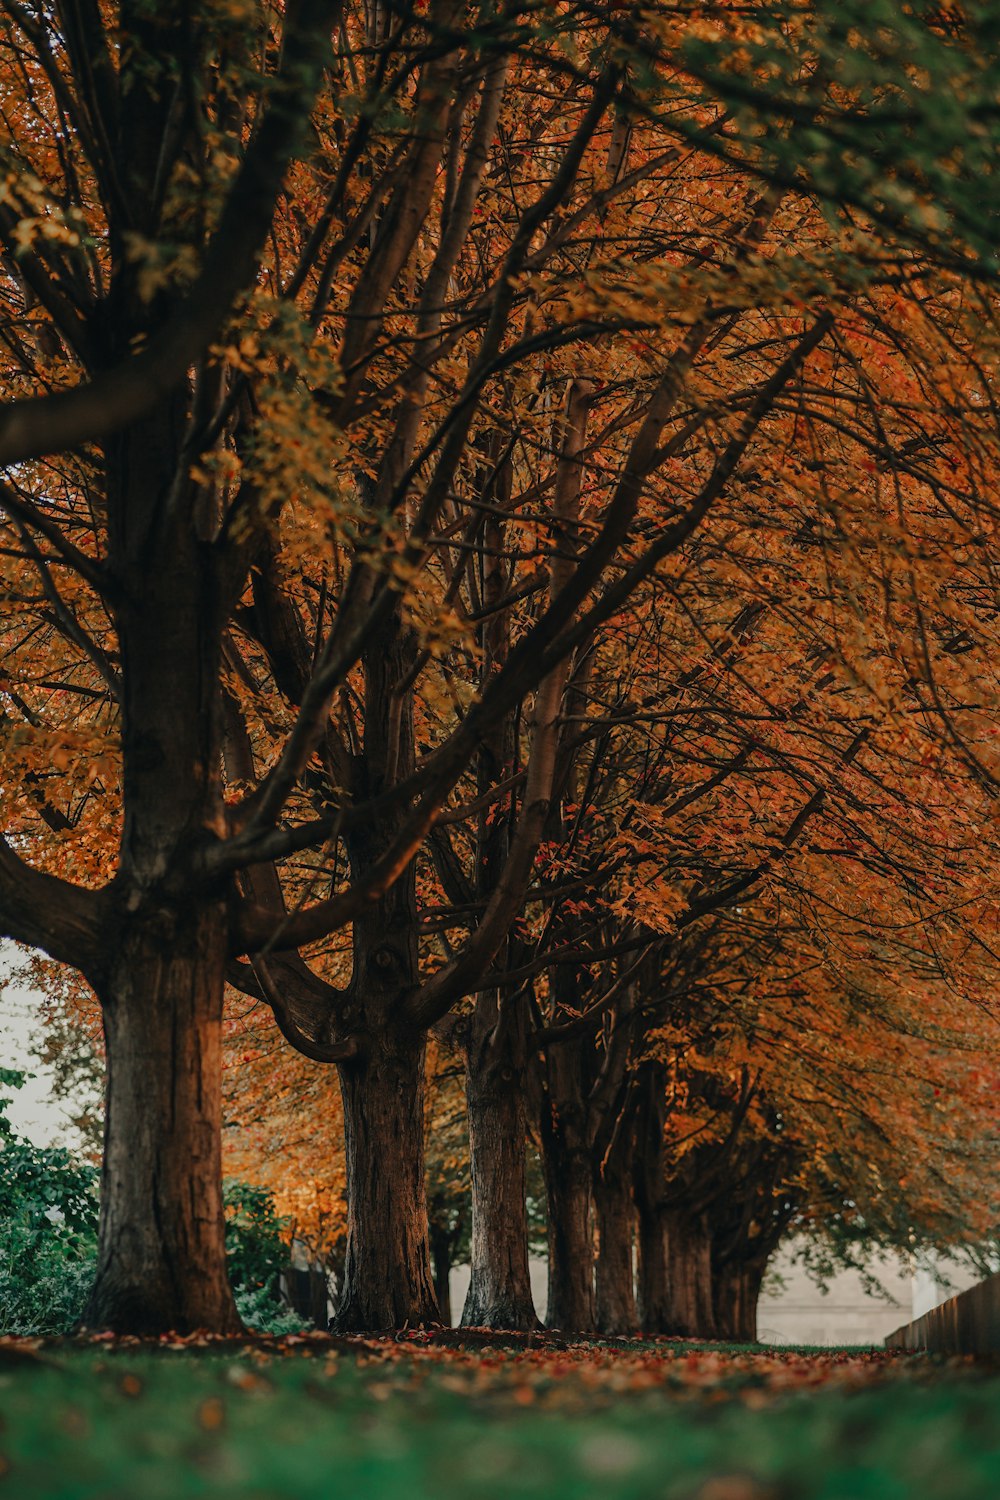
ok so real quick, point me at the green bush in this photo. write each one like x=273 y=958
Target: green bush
x=48 y=1231
x=257 y=1252
x=264 y=1313
x=48 y=1239
x=255 y=1242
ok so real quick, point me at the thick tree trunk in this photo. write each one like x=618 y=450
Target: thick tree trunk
x=571 y=1242
x=566 y=1151
x=614 y=1276
x=161 y=1257
x=737 y=1292
x=654 y=1296
x=499 y=1293
x=689 y=1276
x=387 y=1281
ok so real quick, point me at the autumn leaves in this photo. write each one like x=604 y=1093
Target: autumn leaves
x=549 y=602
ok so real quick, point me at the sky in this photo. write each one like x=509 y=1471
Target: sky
x=32 y=1110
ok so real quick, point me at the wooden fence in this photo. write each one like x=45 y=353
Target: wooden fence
x=966 y=1324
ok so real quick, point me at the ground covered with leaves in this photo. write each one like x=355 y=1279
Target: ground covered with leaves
x=311 y=1416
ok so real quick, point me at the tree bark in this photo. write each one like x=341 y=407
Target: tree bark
x=499 y=1293
x=161 y=1255
x=387 y=1280
x=440 y=1241
x=614 y=1275
x=161 y=1252
x=654 y=1298
x=689 y=1276
x=571 y=1241
x=736 y=1294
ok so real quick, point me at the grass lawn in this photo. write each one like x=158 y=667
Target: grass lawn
x=654 y=1421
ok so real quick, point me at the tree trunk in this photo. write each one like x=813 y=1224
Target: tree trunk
x=615 y=1287
x=387 y=1280
x=566 y=1151
x=689 y=1276
x=737 y=1292
x=161 y=1253
x=440 y=1241
x=654 y=1297
x=571 y=1242
x=499 y=1293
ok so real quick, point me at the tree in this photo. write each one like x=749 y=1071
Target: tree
x=768 y=733
x=138 y=217
x=447 y=1160
x=241 y=507
x=156 y=543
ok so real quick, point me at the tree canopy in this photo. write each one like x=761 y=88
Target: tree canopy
x=498 y=539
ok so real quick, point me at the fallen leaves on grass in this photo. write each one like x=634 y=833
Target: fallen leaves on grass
x=521 y=1370
x=434 y=1419
x=582 y=1373
x=16 y=1353
x=211 y=1414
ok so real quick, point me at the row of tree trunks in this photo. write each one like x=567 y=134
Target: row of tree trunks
x=593 y=1228
x=593 y=1225
x=682 y=1293
x=387 y=1280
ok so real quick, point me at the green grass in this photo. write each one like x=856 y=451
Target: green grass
x=649 y=1423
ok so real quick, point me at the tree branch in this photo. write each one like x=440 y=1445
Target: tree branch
x=91 y=412
x=66 y=921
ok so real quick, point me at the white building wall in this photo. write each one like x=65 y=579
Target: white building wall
x=796 y=1311
x=933 y=1285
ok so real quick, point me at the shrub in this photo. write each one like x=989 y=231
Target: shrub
x=257 y=1250
x=48 y=1239
x=48 y=1230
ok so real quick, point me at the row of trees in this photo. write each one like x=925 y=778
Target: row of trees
x=498 y=541
x=854 y=1122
